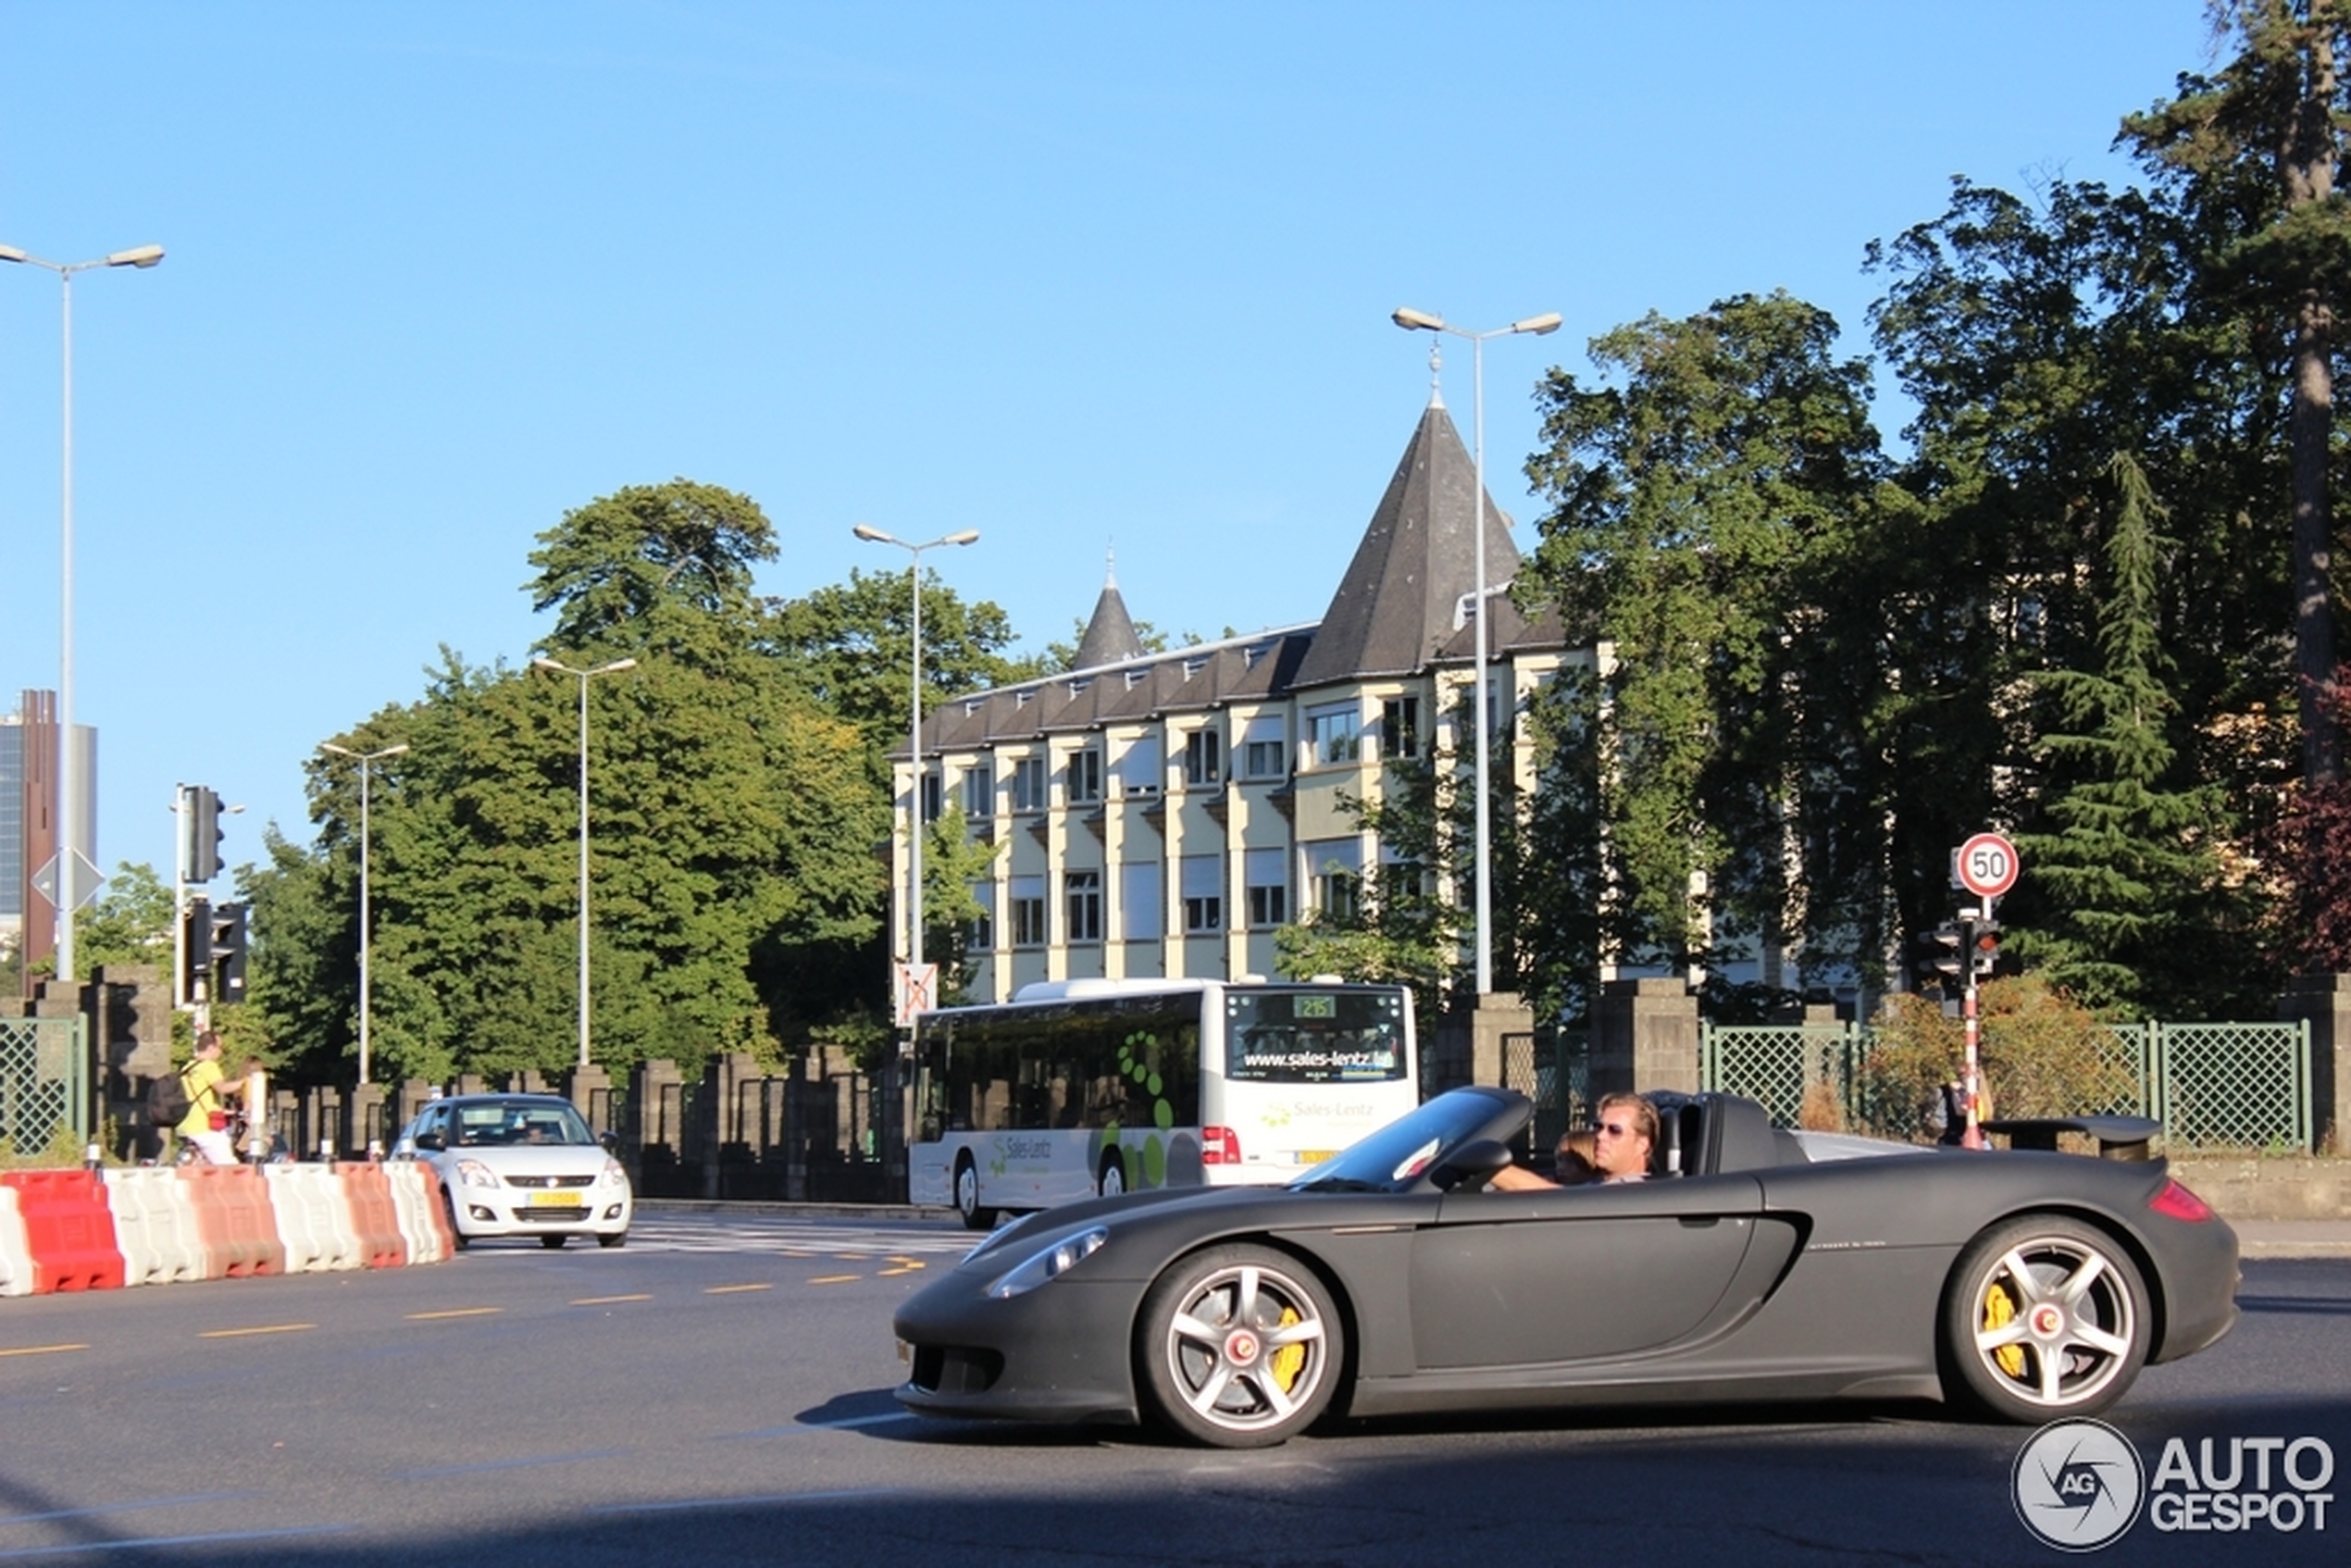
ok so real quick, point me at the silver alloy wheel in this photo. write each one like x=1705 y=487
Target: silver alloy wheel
x=1247 y=1347
x=2049 y=1318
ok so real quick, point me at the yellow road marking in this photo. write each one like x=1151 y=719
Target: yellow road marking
x=455 y=1312
x=608 y=1301
x=266 y=1328
x=894 y=1273
x=41 y=1349
x=833 y=1278
x=731 y=1290
x=851 y=1257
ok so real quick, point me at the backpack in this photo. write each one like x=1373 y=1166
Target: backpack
x=167 y=1101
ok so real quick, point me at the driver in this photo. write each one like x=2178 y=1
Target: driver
x=1622 y=1134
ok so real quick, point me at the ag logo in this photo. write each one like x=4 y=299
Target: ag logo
x=2078 y=1484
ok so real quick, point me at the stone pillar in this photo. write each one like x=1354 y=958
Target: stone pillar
x=471 y=1083
x=2325 y=1002
x=365 y=1121
x=1497 y=1013
x=590 y=1091
x=132 y=1045
x=413 y=1095
x=1646 y=1037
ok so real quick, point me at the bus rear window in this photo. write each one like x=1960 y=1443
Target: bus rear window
x=1310 y=1036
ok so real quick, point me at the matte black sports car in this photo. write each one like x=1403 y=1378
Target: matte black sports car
x=2027 y=1285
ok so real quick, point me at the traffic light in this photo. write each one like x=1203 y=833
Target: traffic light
x=1944 y=947
x=228 y=949
x=1984 y=947
x=196 y=951
x=200 y=819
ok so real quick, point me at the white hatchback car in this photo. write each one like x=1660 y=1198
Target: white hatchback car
x=520 y=1165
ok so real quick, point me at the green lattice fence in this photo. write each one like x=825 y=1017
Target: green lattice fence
x=43 y=1086
x=2233 y=1086
x=1551 y=1068
x=1775 y=1063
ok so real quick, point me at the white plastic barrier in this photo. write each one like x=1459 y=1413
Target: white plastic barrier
x=418 y=1207
x=314 y=1218
x=155 y=1226
x=15 y=1252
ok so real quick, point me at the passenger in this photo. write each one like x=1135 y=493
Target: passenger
x=1575 y=1163
x=1622 y=1134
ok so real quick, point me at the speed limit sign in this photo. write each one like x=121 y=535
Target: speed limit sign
x=1988 y=865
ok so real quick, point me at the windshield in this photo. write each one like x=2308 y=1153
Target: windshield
x=1301 y=1035
x=1399 y=1156
x=497 y=1122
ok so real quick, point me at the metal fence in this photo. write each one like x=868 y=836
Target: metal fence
x=44 y=1082
x=2212 y=1085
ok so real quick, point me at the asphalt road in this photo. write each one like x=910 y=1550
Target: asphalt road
x=718 y=1392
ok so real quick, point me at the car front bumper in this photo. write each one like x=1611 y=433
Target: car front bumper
x=1059 y=1352
x=502 y=1211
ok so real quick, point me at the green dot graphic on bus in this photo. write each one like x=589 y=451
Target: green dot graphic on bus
x=1151 y=1158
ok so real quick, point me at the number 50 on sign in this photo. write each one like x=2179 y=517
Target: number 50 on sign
x=1986 y=865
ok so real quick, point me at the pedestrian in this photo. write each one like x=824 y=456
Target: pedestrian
x=207 y=1124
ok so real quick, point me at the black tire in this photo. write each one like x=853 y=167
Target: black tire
x=1111 y=1182
x=457 y=1242
x=617 y=1239
x=553 y=1243
x=2044 y=1317
x=968 y=1195
x=1215 y=1340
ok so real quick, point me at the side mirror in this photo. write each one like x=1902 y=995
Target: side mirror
x=1471 y=1166
x=430 y=1141
x=610 y=1139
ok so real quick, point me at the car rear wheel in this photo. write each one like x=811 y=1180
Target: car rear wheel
x=2046 y=1316
x=968 y=1195
x=1112 y=1183
x=1240 y=1347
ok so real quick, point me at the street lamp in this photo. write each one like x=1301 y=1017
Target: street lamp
x=872 y=535
x=363 y=759
x=69 y=824
x=584 y=675
x=1417 y=322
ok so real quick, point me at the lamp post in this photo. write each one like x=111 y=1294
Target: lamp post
x=584 y=675
x=364 y=759
x=69 y=824
x=872 y=535
x=1417 y=322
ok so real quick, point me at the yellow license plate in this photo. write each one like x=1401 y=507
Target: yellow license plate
x=558 y=1199
x=1314 y=1156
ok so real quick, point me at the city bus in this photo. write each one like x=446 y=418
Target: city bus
x=1083 y=1086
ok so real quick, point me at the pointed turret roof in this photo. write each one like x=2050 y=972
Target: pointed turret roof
x=1398 y=605
x=1110 y=636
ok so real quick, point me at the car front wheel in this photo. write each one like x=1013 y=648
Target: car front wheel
x=1240 y=1347
x=449 y=1211
x=2045 y=1317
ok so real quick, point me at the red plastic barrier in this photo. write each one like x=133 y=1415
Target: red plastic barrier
x=372 y=1214
x=69 y=1228
x=240 y=1228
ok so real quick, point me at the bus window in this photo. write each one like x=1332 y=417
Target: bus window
x=1313 y=1036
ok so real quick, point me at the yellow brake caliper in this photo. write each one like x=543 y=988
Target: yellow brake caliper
x=1999 y=1309
x=1289 y=1357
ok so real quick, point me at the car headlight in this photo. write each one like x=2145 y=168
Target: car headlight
x=615 y=1174
x=473 y=1173
x=1046 y=1263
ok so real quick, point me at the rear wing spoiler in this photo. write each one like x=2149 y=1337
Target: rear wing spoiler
x=2119 y=1137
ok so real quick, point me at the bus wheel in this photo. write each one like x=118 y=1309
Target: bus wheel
x=968 y=1195
x=1112 y=1183
x=1239 y=1347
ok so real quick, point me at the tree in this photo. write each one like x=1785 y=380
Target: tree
x=2253 y=152
x=132 y=922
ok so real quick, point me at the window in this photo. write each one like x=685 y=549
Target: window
x=1138 y=769
x=1400 y=727
x=980 y=935
x=1204 y=757
x=1028 y=911
x=1029 y=784
x=1264 y=745
x=1333 y=735
x=1084 y=778
x=1203 y=890
x=1082 y=906
x=979 y=791
x=1140 y=914
x=934 y=788
x=1266 y=875
x=1334 y=867
x=1401 y=880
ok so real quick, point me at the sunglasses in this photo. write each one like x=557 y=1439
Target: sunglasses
x=1613 y=1129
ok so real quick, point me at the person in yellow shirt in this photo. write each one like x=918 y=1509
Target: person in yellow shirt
x=209 y=1093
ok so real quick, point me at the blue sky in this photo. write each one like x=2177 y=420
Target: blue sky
x=1071 y=275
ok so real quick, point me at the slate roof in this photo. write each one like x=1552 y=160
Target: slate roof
x=1110 y=635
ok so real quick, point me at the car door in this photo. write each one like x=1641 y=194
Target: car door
x=1577 y=1273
